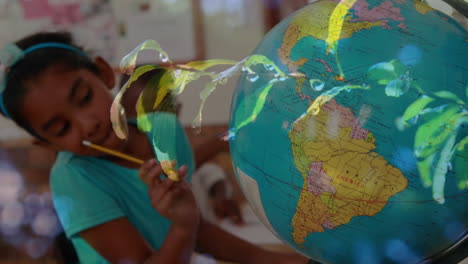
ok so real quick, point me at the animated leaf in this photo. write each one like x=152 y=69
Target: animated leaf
x=441 y=169
x=323 y=98
x=116 y=112
x=251 y=106
x=415 y=108
x=385 y=72
x=431 y=135
x=449 y=96
x=461 y=166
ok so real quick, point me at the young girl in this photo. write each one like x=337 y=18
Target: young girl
x=52 y=89
x=209 y=183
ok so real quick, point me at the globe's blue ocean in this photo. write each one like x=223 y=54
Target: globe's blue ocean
x=414 y=223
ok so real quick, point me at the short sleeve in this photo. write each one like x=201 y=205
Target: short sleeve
x=80 y=200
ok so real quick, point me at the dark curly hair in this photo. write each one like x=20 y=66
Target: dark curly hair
x=35 y=63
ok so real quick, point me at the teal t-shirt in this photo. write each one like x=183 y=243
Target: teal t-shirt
x=89 y=191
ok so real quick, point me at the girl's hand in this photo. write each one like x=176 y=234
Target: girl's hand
x=173 y=200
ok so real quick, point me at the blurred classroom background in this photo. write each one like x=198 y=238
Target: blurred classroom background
x=187 y=30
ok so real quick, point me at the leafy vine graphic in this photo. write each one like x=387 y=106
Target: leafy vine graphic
x=176 y=77
x=439 y=117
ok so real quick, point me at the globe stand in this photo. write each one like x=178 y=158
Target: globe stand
x=453 y=255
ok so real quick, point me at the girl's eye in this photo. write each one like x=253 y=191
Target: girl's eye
x=87 y=98
x=63 y=130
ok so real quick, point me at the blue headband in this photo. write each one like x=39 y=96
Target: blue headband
x=11 y=54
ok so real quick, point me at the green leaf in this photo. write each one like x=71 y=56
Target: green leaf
x=461 y=167
x=324 y=97
x=449 y=95
x=116 y=116
x=257 y=59
x=425 y=169
x=209 y=88
x=441 y=169
x=250 y=107
x=146 y=99
x=397 y=87
x=432 y=134
x=203 y=65
x=462 y=143
x=143 y=123
x=127 y=64
x=222 y=78
x=415 y=108
x=398 y=67
x=383 y=72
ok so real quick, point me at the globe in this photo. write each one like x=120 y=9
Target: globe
x=348 y=131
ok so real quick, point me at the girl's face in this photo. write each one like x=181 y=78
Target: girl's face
x=67 y=106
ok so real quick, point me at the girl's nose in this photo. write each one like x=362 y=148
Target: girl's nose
x=90 y=127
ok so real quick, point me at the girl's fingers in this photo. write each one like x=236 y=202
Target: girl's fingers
x=160 y=189
x=167 y=201
x=153 y=176
x=182 y=171
x=145 y=168
x=163 y=191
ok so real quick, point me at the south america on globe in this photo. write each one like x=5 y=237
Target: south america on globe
x=358 y=153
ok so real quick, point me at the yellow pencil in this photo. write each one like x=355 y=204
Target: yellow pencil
x=112 y=152
x=167 y=166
